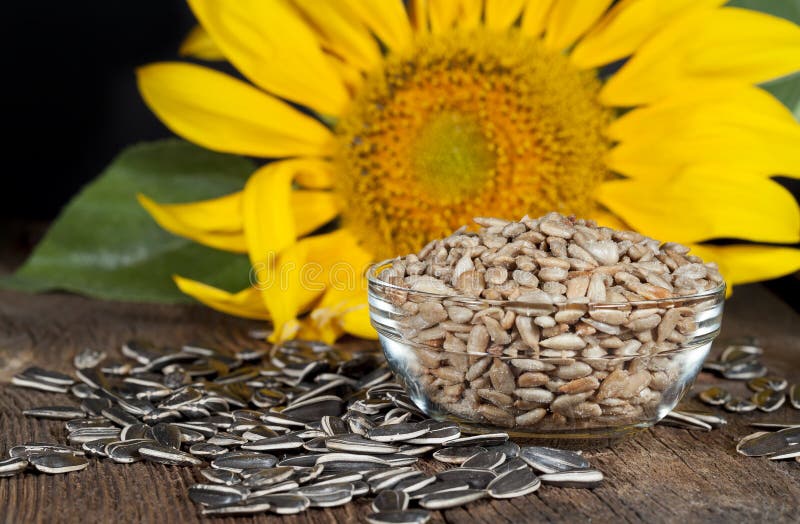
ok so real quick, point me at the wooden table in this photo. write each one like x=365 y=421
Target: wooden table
x=662 y=475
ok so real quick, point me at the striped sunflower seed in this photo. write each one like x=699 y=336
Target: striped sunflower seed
x=12 y=466
x=552 y=460
x=457 y=455
x=451 y=499
x=515 y=483
x=573 y=478
x=55 y=463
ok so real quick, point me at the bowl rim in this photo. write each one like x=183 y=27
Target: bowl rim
x=372 y=278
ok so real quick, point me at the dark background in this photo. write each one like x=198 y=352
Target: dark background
x=70 y=104
x=70 y=101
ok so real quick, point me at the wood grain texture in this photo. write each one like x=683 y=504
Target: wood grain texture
x=660 y=475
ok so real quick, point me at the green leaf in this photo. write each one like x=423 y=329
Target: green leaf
x=786 y=89
x=105 y=245
x=788 y=9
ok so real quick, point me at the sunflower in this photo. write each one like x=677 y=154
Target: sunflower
x=389 y=124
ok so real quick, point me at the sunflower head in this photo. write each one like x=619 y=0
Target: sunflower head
x=418 y=115
x=468 y=124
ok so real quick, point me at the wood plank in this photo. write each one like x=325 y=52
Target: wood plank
x=661 y=475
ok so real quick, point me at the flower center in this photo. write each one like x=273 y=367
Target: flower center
x=463 y=125
x=451 y=156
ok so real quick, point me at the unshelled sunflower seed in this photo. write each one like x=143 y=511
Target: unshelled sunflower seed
x=574 y=478
x=767 y=382
x=451 y=499
x=475 y=478
x=457 y=455
x=552 y=460
x=12 y=466
x=738 y=405
x=485 y=460
x=389 y=500
x=768 y=400
x=794 y=396
x=55 y=463
x=515 y=483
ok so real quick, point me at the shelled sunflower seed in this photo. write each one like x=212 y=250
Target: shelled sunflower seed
x=572 y=337
x=298 y=427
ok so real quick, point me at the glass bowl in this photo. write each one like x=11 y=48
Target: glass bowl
x=537 y=369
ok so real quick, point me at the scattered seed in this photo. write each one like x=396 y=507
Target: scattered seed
x=389 y=500
x=762 y=444
x=551 y=460
x=737 y=405
x=762 y=383
x=457 y=455
x=12 y=466
x=354 y=443
x=397 y=432
x=55 y=463
x=485 y=460
x=451 y=499
x=514 y=483
x=574 y=478
x=160 y=453
x=715 y=396
x=217 y=494
x=475 y=478
x=768 y=400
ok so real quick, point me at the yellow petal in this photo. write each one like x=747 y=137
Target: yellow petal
x=387 y=19
x=703 y=46
x=221 y=113
x=313 y=266
x=310 y=330
x=442 y=14
x=668 y=116
x=315 y=174
x=742 y=264
x=343 y=308
x=501 y=14
x=341 y=261
x=355 y=321
x=570 y=19
x=339 y=30
x=272 y=46
x=418 y=14
x=469 y=15
x=313 y=209
x=198 y=44
x=266 y=206
x=343 y=312
x=283 y=292
x=350 y=74
x=741 y=126
x=218 y=222
x=626 y=26
x=535 y=16
x=703 y=203
x=246 y=303
x=269 y=229
x=215 y=223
